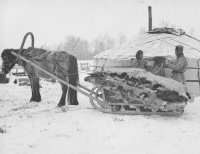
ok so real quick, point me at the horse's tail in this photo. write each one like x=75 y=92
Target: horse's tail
x=73 y=80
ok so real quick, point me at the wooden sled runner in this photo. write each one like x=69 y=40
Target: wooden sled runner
x=133 y=108
x=107 y=97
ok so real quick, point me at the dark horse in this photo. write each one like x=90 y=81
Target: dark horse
x=61 y=64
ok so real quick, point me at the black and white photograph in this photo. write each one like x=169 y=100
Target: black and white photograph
x=99 y=76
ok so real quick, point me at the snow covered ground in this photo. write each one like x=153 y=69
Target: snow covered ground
x=41 y=128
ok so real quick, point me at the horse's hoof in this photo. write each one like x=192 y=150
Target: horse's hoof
x=74 y=103
x=59 y=105
x=32 y=100
x=39 y=100
x=36 y=101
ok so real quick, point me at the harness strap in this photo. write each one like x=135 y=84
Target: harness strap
x=177 y=72
x=54 y=61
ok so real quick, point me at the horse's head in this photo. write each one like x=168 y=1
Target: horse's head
x=9 y=60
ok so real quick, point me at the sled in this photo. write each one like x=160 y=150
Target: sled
x=116 y=88
x=135 y=107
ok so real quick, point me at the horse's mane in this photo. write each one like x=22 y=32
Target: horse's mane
x=8 y=52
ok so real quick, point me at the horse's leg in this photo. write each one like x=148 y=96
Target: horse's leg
x=37 y=90
x=36 y=97
x=73 y=79
x=63 y=97
x=32 y=90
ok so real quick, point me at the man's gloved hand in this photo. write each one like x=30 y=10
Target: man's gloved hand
x=166 y=62
x=150 y=63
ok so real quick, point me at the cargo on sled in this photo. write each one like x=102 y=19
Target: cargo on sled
x=136 y=91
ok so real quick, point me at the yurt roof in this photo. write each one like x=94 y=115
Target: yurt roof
x=158 y=42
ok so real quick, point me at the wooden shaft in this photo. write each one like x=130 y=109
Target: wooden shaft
x=194 y=68
x=53 y=76
x=193 y=81
x=84 y=87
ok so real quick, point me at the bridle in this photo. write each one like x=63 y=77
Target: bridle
x=8 y=65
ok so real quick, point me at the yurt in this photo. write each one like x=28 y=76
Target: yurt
x=158 y=42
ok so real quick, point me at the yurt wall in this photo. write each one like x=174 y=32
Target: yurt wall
x=111 y=62
x=192 y=74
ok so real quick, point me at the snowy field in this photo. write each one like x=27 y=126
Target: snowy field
x=41 y=128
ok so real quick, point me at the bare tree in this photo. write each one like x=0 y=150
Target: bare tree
x=173 y=26
x=164 y=23
x=98 y=45
x=70 y=43
x=191 y=32
x=142 y=30
x=60 y=46
x=121 y=38
x=46 y=47
x=108 y=41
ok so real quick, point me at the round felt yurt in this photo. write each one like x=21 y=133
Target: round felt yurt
x=158 y=42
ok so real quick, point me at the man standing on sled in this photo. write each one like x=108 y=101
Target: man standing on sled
x=179 y=65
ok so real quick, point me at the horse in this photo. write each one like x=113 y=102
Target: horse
x=60 y=63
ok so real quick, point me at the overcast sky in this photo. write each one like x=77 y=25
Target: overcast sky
x=52 y=20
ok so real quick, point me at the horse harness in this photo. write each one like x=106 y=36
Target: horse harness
x=32 y=54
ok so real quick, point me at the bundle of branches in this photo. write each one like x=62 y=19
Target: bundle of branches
x=130 y=84
x=159 y=60
x=168 y=31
